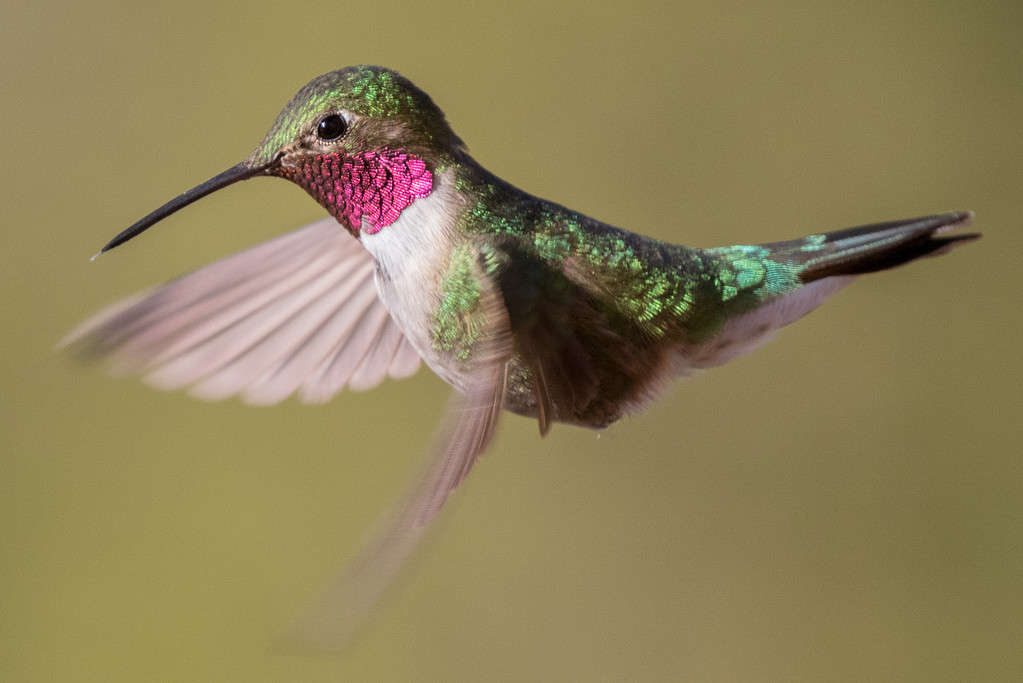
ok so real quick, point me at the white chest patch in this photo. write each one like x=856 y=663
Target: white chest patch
x=411 y=256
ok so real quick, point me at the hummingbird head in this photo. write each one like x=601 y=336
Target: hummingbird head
x=355 y=110
x=363 y=141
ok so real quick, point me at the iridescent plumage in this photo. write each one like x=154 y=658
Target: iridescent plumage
x=519 y=303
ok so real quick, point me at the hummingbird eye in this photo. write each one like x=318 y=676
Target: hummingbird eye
x=331 y=127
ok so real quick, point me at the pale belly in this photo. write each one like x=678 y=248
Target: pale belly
x=412 y=309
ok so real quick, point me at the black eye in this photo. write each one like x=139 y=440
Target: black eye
x=331 y=127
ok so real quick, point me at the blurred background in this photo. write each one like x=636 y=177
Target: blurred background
x=844 y=505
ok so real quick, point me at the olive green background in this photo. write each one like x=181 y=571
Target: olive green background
x=844 y=505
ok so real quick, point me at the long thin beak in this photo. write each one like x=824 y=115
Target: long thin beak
x=232 y=175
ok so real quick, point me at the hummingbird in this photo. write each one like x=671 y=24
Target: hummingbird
x=519 y=303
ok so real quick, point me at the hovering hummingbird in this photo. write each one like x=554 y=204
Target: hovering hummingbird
x=517 y=302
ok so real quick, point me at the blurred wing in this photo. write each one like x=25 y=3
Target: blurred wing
x=299 y=313
x=472 y=418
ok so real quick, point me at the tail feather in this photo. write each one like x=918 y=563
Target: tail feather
x=824 y=264
x=870 y=248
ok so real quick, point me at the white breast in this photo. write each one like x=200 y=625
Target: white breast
x=412 y=255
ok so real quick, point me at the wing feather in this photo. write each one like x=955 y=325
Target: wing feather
x=338 y=368
x=406 y=361
x=296 y=313
x=302 y=361
x=373 y=369
x=210 y=345
x=206 y=291
x=268 y=353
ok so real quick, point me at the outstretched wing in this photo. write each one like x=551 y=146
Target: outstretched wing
x=299 y=313
x=472 y=418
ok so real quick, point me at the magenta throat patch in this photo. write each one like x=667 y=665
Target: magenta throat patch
x=374 y=186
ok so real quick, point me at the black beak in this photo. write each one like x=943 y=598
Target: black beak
x=232 y=175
